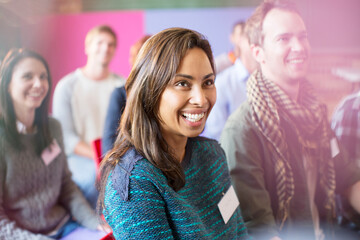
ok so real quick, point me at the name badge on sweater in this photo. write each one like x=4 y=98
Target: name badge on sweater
x=51 y=152
x=334 y=147
x=228 y=204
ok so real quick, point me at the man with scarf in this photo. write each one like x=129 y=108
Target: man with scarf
x=284 y=160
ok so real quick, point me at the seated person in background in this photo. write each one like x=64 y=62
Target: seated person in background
x=38 y=199
x=117 y=104
x=80 y=102
x=227 y=59
x=346 y=125
x=284 y=160
x=231 y=87
x=162 y=181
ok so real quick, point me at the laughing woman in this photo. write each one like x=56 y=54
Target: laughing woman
x=162 y=181
x=37 y=195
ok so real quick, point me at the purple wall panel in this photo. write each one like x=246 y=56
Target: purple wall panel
x=214 y=23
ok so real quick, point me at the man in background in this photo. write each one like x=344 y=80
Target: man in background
x=227 y=59
x=80 y=102
x=284 y=160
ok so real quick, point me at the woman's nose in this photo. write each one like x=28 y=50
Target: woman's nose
x=198 y=96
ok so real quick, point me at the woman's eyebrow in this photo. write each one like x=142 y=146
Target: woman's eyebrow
x=208 y=75
x=184 y=76
x=191 y=77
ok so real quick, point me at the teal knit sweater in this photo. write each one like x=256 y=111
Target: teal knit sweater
x=144 y=206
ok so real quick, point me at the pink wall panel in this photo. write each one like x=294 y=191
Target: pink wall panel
x=60 y=39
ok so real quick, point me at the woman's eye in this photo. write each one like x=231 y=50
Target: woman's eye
x=182 y=84
x=27 y=76
x=209 y=82
x=44 y=77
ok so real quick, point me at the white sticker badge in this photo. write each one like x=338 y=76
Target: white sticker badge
x=334 y=147
x=228 y=204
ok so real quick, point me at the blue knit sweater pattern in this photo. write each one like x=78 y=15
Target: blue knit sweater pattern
x=139 y=203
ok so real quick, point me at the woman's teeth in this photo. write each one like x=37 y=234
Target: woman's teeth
x=193 y=117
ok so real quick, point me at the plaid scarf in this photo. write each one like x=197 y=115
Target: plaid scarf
x=309 y=119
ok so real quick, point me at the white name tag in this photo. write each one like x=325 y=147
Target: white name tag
x=334 y=147
x=228 y=204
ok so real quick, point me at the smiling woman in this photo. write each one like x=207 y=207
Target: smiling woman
x=162 y=181
x=28 y=88
x=37 y=196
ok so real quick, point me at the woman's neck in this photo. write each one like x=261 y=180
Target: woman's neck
x=177 y=145
x=27 y=118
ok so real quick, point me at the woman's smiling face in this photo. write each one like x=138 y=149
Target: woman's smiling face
x=189 y=97
x=29 y=84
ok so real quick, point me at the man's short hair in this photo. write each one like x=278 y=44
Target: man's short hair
x=254 y=24
x=97 y=30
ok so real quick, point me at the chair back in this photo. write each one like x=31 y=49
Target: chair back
x=108 y=236
x=96 y=146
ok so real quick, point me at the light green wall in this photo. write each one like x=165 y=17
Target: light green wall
x=103 y=5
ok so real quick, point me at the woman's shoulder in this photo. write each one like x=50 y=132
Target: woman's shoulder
x=130 y=163
x=206 y=151
x=54 y=123
x=2 y=139
x=133 y=166
x=2 y=129
x=55 y=128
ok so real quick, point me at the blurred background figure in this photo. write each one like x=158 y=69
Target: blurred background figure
x=231 y=86
x=38 y=199
x=117 y=103
x=227 y=59
x=80 y=102
x=135 y=48
x=346 y=125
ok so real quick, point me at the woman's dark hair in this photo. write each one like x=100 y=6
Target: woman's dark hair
x=155 y=65
x=7 y=111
